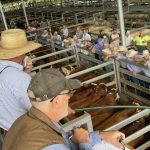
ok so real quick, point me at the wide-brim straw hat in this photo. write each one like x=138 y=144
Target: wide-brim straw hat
x=14 y=43
x=122 y=49
x=131 y=53
x=145 y=52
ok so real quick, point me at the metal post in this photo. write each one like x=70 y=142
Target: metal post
x=77 y=56
x=117 y=75
x=128 y=5
x=62 y=17
x=24 y=10
x=51 y=36
x=103 y=5
x=121 y=20
x=3 y=16
x=74 y=5
x=76 y=18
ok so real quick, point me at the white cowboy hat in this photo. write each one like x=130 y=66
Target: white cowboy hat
x=145 y=52
x=14 y=43
x=131 y=53
x=122 y=49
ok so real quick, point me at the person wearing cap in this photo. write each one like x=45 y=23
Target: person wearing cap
x=104 y=36
x=97 y=49
x=115 y=38
x=122 y=50
x=140 y=41
x=39 y=128
x=146 y=63
x=14 y=80
x=132 y=55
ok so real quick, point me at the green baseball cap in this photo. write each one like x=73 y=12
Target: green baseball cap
x=49 y=83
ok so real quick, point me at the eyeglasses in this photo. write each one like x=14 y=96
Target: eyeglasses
x=70 y=93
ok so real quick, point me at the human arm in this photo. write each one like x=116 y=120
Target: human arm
x=113 y=137
x=94 y=50
x=104 y=139
x=79 y=137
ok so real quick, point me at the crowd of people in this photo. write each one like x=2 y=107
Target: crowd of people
x=32 y=108
x=104 y=47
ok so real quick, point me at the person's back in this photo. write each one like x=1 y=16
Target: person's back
x=14 y=81
x=24 y=131
x=14 y=100
x=49 y=92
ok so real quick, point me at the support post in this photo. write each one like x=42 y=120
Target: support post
x=51 y=36
x=128 y=5
x=3 y=16
x=76 y=19
x=121 y=20
x=24 y=10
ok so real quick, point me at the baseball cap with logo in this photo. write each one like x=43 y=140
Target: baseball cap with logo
x=48 y=83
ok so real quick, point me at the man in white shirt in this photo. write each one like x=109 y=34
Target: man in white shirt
x=128 y=39
x=65 y=31
x=86 y=36
x=14 y=80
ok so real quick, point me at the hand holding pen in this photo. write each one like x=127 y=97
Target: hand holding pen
x=79 y=135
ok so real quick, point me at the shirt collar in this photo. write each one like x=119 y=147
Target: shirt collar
x=11 y=63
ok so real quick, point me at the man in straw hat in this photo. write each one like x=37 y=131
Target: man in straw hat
x=132 y=56
x=146 y=62
x=14 y=81
x=38 y=129
x=146 y=69
x=122 y=50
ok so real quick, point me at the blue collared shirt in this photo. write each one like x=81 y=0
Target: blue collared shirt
x=133 y=68
x=147 y=71
x=14 y=100
x=94 y=138
x=100 y=48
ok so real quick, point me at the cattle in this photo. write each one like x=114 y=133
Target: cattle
x=83 y=92
x=99 y=115
x=41 y=52
x=99 y=92
x=132 y=128
x=117 y=117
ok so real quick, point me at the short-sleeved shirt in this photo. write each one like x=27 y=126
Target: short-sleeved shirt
x=86 y=37
x=128 y=40
x=140 y=41
x=100 y=48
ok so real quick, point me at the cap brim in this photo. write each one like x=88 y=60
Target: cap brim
x=11 y=53
x=73 y=84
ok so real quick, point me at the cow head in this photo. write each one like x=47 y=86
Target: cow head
x=114 y=93
x=103 y=85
